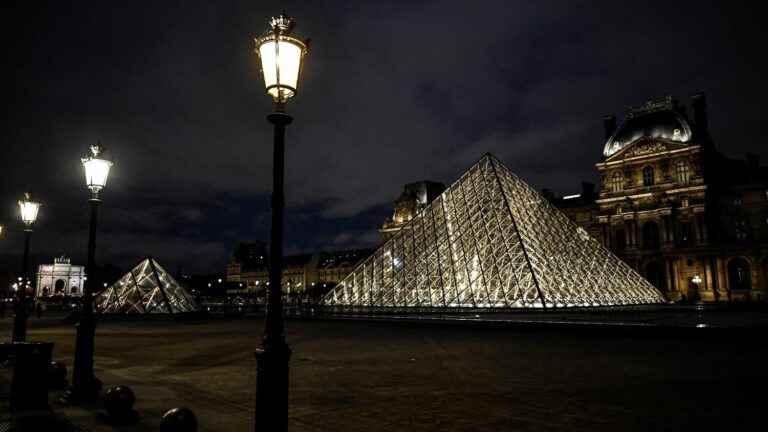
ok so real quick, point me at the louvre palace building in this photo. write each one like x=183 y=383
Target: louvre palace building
x=691 y=220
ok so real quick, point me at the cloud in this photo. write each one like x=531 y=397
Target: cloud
x=391 y=94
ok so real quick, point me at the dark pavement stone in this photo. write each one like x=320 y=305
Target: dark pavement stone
x=363 y=376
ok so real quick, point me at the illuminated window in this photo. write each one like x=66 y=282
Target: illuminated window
x=648 y=179
x=617 y=182
x=683 y=172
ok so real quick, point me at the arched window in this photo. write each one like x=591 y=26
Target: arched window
x=739 y=275
x=683 y=172
x=58 y=287
x=617 y=182
x=648 y=178
x=651 y=235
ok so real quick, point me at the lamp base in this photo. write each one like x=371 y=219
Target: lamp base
x=87 y=391
x=272 y=387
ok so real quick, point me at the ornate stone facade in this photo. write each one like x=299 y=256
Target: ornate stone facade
x=691 y=220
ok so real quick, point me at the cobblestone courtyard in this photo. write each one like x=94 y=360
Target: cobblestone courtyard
x=364 y=376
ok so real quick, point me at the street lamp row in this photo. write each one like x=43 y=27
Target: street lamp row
x=280 y=53
x=84 y=383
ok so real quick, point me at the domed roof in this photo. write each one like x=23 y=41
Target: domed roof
x=653 y=120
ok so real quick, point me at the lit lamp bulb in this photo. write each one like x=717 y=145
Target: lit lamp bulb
x=696 y=279
x=28 y=210
x=280 y=53
x=96 y=170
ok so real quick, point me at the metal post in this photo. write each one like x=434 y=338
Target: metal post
x=84 y=382
x=273 y=356
x=21 y=312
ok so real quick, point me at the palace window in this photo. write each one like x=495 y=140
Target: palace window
x=621 y=239
x=686 y=233
x=741 y=229
x=683 y=172
x=617 y=182
x=651 y=235
x=648 y=179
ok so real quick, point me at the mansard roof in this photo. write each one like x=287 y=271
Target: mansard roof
x=660 y=119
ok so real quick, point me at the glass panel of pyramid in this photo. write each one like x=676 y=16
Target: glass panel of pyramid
x=147 y=288
x=491 y=241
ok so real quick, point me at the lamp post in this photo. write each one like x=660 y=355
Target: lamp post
x=280 y=53
x=85 y=385
x=28 y=210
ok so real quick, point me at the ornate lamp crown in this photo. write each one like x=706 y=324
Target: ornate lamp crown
x=97 y=149
x=282 y=23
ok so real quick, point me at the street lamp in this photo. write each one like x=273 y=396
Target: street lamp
x=28 y=210
x=280 y=53
x=696 y=279
x=85 y=385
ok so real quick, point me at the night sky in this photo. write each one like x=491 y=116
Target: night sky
x=392 y=92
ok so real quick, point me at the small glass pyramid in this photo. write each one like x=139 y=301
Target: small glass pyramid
x=492 y=241
x=147 y=288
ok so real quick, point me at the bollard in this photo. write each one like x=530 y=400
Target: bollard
x=179 y=420
x=57 y=376
x=29 y=388
x=118 y=401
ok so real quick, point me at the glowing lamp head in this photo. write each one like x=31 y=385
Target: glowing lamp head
x=696 y=279
x=28 y=209
x=281 y=53
x=96 y=169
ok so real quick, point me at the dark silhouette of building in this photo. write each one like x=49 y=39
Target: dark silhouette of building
x=414 y=198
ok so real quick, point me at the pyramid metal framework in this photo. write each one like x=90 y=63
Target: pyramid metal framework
x=147 y=288
x=492 y=241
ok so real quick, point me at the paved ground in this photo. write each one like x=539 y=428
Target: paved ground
x=365 y=376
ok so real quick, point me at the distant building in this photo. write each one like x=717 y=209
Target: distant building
x=302 y=274
x=60 y=279
x=691 y=220
x=249 y=257
x=414 y=198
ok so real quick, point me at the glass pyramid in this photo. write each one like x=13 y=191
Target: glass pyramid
x=492 y=241
x=148 y=288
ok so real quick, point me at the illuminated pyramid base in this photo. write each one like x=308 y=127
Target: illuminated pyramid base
x=492 y=241
x=147 y=288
